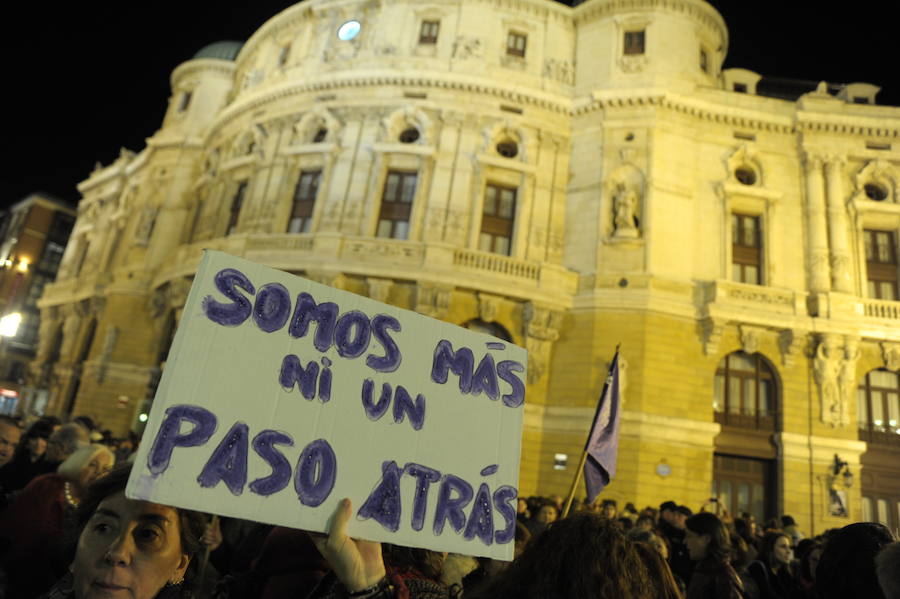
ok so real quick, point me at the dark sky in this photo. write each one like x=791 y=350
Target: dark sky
x=82 y=79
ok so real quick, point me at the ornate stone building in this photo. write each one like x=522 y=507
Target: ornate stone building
x=569 y=178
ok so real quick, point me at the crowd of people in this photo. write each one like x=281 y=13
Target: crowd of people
x=67 y=531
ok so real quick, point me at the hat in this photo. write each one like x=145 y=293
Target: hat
x=683 y=509
x=667 y=505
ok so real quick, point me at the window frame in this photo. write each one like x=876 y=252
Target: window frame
x=513 y=37
x=237 y=203
x=497 y=224
x=742 y=419
x=634 y=42
x=881 y=435
x=879 y=272
x=303 y=207
x=426 y=37
x=393 y=209
x=744 y=256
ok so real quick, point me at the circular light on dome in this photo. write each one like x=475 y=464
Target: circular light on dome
x=349 y=30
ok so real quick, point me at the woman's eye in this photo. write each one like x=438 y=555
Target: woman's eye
x=101 y=527
x=147 y=535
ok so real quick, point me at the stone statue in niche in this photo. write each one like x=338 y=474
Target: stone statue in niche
x=847 y=381
x=625 y=212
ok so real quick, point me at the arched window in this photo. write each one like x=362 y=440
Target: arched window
x=878 y=403
x=745 y=393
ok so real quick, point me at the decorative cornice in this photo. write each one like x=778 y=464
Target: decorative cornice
x=205 y=65
x=560 y=105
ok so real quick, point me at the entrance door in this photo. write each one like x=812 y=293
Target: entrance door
x=744 y=485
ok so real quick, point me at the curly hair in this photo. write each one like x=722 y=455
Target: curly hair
x=584 y=556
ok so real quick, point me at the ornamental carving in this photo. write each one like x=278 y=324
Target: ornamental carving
x=749 y=339
x=633 y=63
x=625 y=205
x=541 y=327
x=890 y=352
x=144 y=227
x=467 y=47
x=560 y=70
x=788 y=343
x=834 y=369
x=330 y=279
x=433 y=299
x=488 y=306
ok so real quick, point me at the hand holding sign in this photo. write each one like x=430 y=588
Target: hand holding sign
x=279 y=398
x=357 y=564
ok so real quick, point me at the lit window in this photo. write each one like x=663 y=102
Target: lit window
x=497 y=220
x=304 y=200
x=396 y=204
x=516 y=43
x=744 y=392
x=881 y=264
x=236 y=204
x=746 y=249
x=428 y=34
x=634 y=42
x=349 y=30
x=878 y=403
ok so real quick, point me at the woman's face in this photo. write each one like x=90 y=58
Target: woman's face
x=36 y=447
x=696 y=544
x=129 y=550
x=781 y=551
x=99 y=464
x=547 y=514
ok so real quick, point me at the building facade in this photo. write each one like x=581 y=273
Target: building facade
x=568 y=178
x=33 y=237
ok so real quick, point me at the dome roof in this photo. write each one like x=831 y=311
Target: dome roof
x=225 y=50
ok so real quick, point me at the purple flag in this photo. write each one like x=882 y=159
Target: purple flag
x=603 y=442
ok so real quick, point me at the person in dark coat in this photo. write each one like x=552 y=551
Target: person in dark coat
x=709 y=546
x=773 y=572
x=847 y=566
x=671 y=527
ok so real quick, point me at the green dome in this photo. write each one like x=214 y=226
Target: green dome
x=226 y=50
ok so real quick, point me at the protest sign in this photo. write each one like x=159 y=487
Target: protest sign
x=281 y=396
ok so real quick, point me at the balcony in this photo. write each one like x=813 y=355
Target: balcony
x=389 y=259
x=883 y=438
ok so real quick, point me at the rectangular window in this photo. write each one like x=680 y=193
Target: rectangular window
x=236 y=204
x=740 y=88
x=634 y=42
x=428 y=34
x=881 y=264
x=497 y=219
x=516 y=43
x=304 y=200
x=283 y=55
x=185 y=101
x=396 y=204
x=704 y=60
x=746 y=249
x=52 y=256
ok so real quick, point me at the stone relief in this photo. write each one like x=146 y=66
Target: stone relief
x=633 y=64
x=712 y=334
x=488 y=306
x=749 y=339
x=834 y=369
x=541 y=327
x=560 y=70
x=788 y=343
x=890 y=352
x=467 y=47
x=144 y=227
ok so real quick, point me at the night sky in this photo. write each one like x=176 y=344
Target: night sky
x=83 y=79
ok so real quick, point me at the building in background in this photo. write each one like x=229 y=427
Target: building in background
x=567 y=178
x=33 y=237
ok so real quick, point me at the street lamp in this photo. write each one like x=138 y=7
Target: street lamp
x=9 y=324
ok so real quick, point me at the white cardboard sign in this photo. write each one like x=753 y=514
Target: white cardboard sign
x=281 y=396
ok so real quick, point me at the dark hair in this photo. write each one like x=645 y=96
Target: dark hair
x=847 y=566
x=707 y=523
x=660 y=574
x=742 y=528
x=406 y=559
x=584 y=556
x=805 y=549
x=767 y=550
x=191 y=524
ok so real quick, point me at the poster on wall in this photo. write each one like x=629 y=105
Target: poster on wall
x=282 y=396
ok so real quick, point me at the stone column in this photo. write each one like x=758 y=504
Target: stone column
x=819 y=280
x=837 y=218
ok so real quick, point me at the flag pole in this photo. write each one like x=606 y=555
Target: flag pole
x=584 y=453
